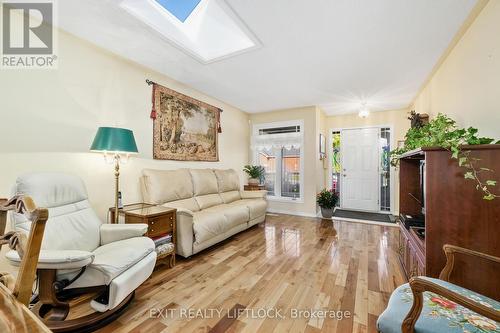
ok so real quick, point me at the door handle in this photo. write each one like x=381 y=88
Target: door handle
x=344 y=175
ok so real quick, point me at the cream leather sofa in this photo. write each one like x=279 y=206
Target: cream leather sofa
x=210 y=205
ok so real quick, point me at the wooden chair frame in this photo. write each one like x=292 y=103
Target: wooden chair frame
x=419 y=285
x=53 y=306
x=16 y=294
x=31 y=250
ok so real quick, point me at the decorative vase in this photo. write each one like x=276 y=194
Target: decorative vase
x=253 y=181
x=327 y=213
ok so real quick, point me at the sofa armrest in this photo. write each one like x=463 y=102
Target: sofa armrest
x=182 y=211
x=185 y=232
x=115 y=232
x=253 y=194
x=56 y=259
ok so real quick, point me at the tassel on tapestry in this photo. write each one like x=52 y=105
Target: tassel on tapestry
x=219 y=127
x=153 y=110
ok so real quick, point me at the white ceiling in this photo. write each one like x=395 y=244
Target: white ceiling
x=332 y=53
x=211 y=32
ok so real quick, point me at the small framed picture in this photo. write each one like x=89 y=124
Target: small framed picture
x=322 y=146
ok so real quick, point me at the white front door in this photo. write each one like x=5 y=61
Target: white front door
x=360 y=168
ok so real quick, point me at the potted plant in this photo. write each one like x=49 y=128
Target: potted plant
x=327 y=200
x=255 y=174
x=443 y=132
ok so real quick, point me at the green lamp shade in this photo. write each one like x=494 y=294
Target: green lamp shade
x=113 y=139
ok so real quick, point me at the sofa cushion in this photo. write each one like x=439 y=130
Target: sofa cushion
x=207 y=225
x=230 y=196
x=227 y=180
x=234 y=214
x=257 y=207
x=204 y=181
x=438 y=314
x=209 y=200
x=189 y=204
x=160 y=186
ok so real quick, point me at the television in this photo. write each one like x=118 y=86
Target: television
x=418 y=196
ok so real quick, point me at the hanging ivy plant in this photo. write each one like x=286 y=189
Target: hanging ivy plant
x=443 y=132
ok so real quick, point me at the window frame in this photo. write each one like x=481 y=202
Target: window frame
x=279 y=166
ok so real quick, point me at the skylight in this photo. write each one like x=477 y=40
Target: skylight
x=208 y=30
x=179 y=8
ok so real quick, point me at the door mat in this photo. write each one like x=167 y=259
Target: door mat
x=352 y=214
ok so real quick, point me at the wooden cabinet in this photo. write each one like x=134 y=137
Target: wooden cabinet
x=158 y=225
x=411 y=253
x=455 y=213
x=250 y=187
x=160 y=220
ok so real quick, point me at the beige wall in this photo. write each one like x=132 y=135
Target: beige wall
x=467 y=84
x=49 y=119
x=316 y=122
x=321 y=165
x=395 y=118
x=311 y=158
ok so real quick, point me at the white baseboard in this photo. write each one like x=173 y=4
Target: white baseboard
x=287 y=212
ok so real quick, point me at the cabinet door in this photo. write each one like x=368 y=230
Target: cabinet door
x=416 y=266
x=401 y=247
x=420 y=268
x=403 y=252
x=413 y=263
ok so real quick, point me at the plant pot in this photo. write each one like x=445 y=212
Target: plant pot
x=327 y=213
x=253 y=181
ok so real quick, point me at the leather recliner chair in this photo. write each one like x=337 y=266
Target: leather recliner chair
x=79 y=253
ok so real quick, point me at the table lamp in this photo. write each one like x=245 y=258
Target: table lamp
x=116 y=141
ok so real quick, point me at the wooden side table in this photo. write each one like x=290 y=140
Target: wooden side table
x=254 y=187
x=160 y=220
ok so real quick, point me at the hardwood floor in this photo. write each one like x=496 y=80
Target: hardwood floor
x=287 y=263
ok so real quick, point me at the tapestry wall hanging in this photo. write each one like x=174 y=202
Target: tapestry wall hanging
x=184 y=129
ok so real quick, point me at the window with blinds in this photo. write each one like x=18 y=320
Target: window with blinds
x=279 y=130
x=278 y=149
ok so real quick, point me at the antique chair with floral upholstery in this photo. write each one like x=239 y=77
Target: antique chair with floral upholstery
x=80 y=256
x=428 y=305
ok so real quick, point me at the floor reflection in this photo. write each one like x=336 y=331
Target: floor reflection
x=288 y=239
x=270 y=232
